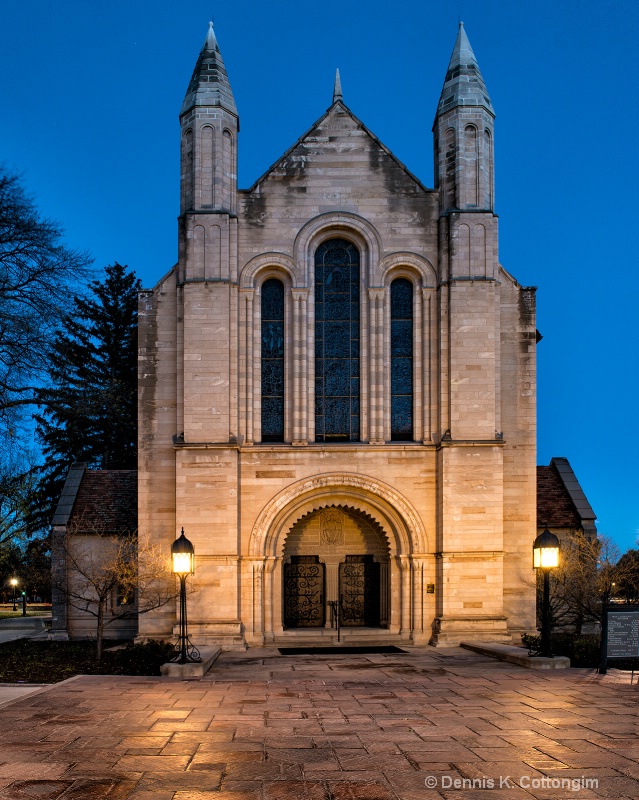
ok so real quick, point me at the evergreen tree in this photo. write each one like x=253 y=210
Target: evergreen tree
x=90 y=413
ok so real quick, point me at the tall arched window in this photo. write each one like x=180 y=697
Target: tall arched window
x=401 y=337
x=337 y=342
x=272 y=361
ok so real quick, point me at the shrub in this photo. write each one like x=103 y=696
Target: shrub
x=36 y=661
x=586 y=651
x=139 y=659
x=582 y=650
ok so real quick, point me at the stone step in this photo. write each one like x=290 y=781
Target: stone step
x=327 y=637
x=192 y=669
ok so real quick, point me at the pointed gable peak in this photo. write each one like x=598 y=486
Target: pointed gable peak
x=337 y=121
x=209 y=84
x=464 y=84
x=337 y=87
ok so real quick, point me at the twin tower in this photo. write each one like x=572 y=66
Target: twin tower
x=337 y=384
x=463 y=131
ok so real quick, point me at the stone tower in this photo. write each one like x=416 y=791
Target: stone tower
x=337 y=384
x=207 y=244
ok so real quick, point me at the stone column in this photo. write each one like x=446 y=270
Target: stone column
x=376 y=365
x=247 y=357
x=395 y=595
x=419 y=376
x=267 y=594
x=300 y=366
x=429 y=364
x=256 y=575
x=331 y=562
x=407 y=606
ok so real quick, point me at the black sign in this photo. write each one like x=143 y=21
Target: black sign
x=623 y=634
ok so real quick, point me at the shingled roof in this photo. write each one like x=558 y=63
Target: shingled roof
x=100 y=500
x=106 y=500
x=561 y=502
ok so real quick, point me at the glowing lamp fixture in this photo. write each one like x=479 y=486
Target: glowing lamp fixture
x=545 y=558
x=183 y=556
x=546 y=551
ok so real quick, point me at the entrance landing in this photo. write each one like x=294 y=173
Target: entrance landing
x=332 y=651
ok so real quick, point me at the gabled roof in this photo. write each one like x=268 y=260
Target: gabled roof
x=69 y=493
x=103 y=501
x=561 y=502
x=337 y=105
x=584 y=509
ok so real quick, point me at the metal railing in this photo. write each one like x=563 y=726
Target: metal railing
x=335 y=616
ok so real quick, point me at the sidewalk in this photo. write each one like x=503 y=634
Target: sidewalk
x=22 y=628
x=435 y=723
x=13 y=691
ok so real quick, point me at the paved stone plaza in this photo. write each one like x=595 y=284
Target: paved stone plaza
x=375 y=727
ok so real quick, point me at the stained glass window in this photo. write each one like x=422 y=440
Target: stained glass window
x=401 y=334
x=273 y=361
x=337 y=342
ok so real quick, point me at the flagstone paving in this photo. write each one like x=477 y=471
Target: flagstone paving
x=433 y=723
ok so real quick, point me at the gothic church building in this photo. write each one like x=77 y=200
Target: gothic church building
x=337 y=385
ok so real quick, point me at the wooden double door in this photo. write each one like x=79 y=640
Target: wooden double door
x=305 y=592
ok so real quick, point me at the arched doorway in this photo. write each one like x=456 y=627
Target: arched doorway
x=339 y=554
x=405 y=564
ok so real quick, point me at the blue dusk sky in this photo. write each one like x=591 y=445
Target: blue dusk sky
x=90 y=95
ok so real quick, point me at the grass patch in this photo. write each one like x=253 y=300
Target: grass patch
x=25 y=660
x=16 y=614
x=33 y=610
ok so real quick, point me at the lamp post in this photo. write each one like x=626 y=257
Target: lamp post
x=183 y=564
x=545 y=558
x=14 y=583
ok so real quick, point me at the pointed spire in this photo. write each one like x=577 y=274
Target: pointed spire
x=209 y=84
x=210 y=43
x=337 y=88
x=464 y=84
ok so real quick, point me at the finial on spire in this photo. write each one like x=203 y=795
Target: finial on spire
x=337 y=89
x=211 y=42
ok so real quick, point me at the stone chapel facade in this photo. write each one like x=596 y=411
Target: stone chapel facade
x=337 y=384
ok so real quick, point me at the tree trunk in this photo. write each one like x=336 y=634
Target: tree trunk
x=99 y=633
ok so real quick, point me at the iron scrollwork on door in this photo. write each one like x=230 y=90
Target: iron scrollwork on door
x=304 y=592
x=359 y=591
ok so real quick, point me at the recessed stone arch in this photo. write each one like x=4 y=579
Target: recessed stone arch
x=382 y=503
x=334 y=224
x=411 y=265
x=251 y=272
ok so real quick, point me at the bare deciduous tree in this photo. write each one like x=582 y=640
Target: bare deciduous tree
x=15 y=490
x=111 y=577
x=588 y=573
x=37 y=273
